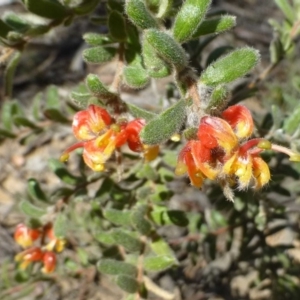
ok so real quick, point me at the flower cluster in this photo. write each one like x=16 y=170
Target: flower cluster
x=99 y=136
x=223 y=152
x=27 y=238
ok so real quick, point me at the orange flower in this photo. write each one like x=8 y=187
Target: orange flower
x=220 y=154
x=99 y=137
x=49 y=261
x=28 y=256
x=57 y=244
x=25 y=236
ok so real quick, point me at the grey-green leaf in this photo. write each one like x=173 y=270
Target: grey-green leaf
x=62 y=173
x=215 y=25
x=98 y=88
x=139 y=14
x=156 y=66
x=118 y=217
x=60 y=226
x=96 y=39
x=292 y=122
x=167 y=48
x=116 y=267
x=124 y=239
x=127 y=283
x=35 y=191
x=162 y=127
x=230 y=67
x=140 y=113
x=116 y=25
x=51 y=9
x=31 y=210
x=135 y=77
x=158 y=263
x=98 y=55
x=189 y=18
x=287 y=9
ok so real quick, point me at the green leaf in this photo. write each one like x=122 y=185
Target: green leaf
x=287 y=9
x=276 y=50
x=51 y=9
x=6 y=115
x=156 y=67
x=167 y=48
x=135 y=77
x=98 y=55
x=105 y=238
x=116 y=267
x=22 y=121
x=118 y=217
x=161 y=247
x=124 y=239
x=15 y=22
x=158 y=263
x=139 y=15
x=10 y=72
x=62 y=173
x=31 y=210
x=178 y=217
x=140 y=222
x=127 y=284
x=164 y=8
x=218 y=100
x=116 y=25
x=36 y=106
x=138 y=112
x=276 y=116
x=229 y=68
x=81 y=99
x=188 y=19
x=55 y=115
x=35 y=191
x=162 y=216
x=7 y=133
x=4 y=29
x=162 y=127
x=96 y=39
x=217 y=53
x=117 y=5
x=60 y=226
x=86 y=7
x=98 y=88
x=215 y=25
x=291 y=123
x=147 y=172
x=52 y=97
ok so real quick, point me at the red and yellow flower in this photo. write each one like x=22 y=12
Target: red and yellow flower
x=25 y=236
x=222 y=152
x=100 y=136
x=45 y=254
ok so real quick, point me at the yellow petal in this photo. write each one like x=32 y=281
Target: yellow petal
x=261 y=172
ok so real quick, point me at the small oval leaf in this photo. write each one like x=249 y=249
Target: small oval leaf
x=189 y=18
x=230 y=67
x=31 y=210
x=98 y=55
x=116 y=267
x=162 y=127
